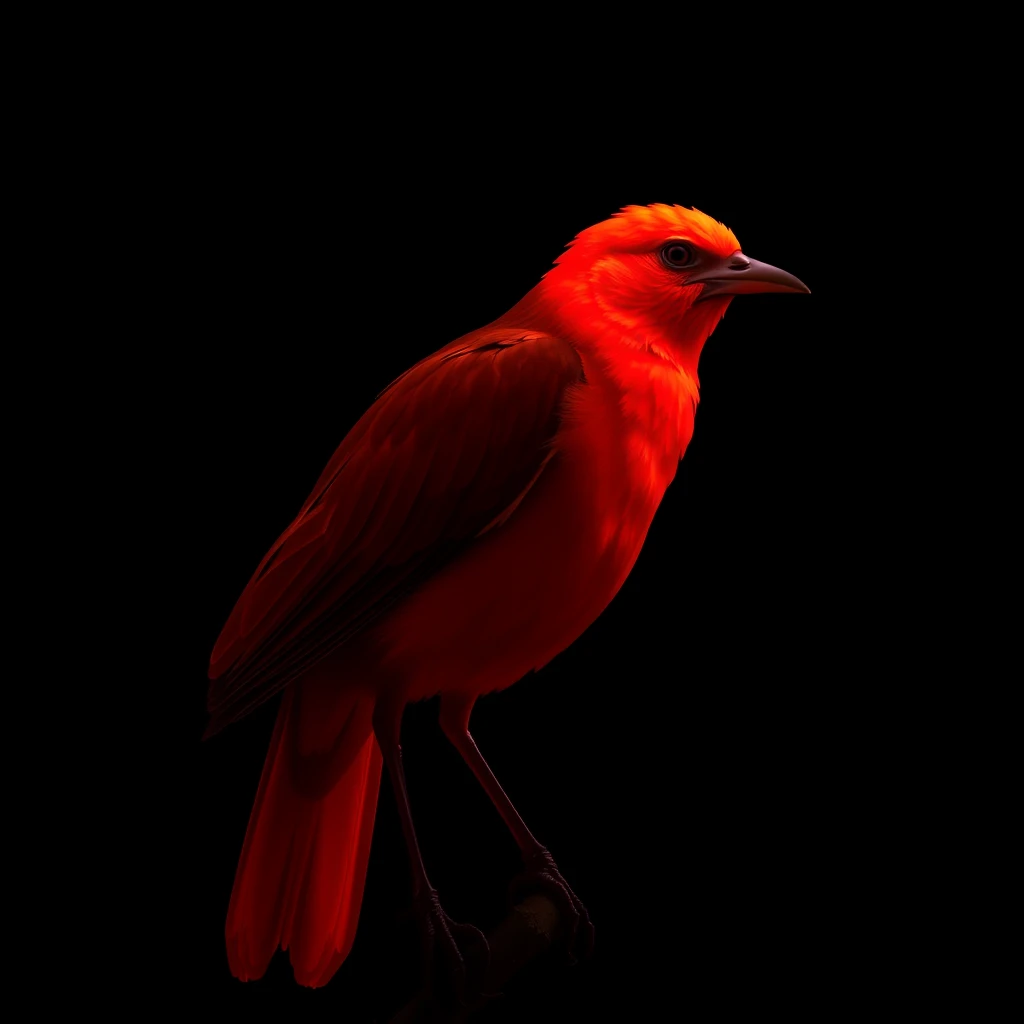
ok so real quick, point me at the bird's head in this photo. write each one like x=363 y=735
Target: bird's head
x=661 y=276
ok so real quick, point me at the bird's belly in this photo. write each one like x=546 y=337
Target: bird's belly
x=526 y=590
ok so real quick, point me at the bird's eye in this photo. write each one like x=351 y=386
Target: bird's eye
x=676 y=255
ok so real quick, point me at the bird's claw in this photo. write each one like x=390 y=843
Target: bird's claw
x=455 y=955
x=541 y=874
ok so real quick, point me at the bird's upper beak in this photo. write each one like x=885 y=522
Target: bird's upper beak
x=739 y=275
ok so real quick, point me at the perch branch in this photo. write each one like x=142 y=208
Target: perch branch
x=526 y=933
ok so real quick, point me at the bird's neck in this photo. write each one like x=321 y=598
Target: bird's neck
x=566 y=307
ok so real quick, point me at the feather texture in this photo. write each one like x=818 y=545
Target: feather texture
x=394 y=504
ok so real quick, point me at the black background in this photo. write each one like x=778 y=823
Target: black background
x=705 y=762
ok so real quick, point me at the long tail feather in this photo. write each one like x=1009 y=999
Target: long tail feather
x=300 y=878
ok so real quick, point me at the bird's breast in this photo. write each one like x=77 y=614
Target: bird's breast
x=624 y=434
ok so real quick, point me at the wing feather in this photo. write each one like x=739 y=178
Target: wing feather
x=445 y=454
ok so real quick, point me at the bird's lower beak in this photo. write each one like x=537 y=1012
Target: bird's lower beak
x=739 y=275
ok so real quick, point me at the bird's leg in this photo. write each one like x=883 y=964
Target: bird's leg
x=540 y=871
x=440 y=934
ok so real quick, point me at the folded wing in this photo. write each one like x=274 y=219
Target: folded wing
x=444 y=454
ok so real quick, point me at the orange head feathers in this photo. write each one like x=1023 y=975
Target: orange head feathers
x=641 y=229
x=656 y=277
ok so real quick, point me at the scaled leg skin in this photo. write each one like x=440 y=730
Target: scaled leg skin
x=443 y=954
x=540 y=871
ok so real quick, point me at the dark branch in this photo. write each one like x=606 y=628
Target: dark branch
x=526 y=933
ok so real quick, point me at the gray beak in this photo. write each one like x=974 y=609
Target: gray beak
x=739 y=275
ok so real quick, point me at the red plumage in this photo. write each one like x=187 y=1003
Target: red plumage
x=474 y=522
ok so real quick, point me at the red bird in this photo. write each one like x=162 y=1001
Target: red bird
x=476 y=520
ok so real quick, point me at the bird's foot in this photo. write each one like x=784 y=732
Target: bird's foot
x=541 y=874
x=455 y=955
